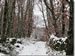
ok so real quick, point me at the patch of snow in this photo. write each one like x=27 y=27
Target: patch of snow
x=56 y=53
x=5 y=49
x=18 y=47
x=1 y=54
x=69 y=0
x=34 y=49
x=64 y=39
x=58 y=42
x=56 y=38
x=10 y=39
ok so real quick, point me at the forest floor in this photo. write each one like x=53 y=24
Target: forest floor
x=34 y=47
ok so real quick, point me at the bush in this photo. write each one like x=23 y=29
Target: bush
x=58 y=44
x=7 y=45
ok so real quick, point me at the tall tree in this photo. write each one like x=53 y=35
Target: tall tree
x=11 y=13
x=51 y=9
x=70 y=41
x=5 y=18
x=29 y=17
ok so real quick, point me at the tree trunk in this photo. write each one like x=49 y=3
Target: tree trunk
x=4 y=32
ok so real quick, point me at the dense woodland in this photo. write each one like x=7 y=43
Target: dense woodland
x=17 y=20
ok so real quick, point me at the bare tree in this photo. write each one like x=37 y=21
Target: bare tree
x=42 y=9
x=70 y=41
x=58 y=15
x=28 y=18
x=4 y=31
x=51 y=9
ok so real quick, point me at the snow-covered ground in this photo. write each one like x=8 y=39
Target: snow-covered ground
x=31 y=47
x=37 y=48
x=1 y=54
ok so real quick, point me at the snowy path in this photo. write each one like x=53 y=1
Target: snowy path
x=37 y=48
x=30 y=47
